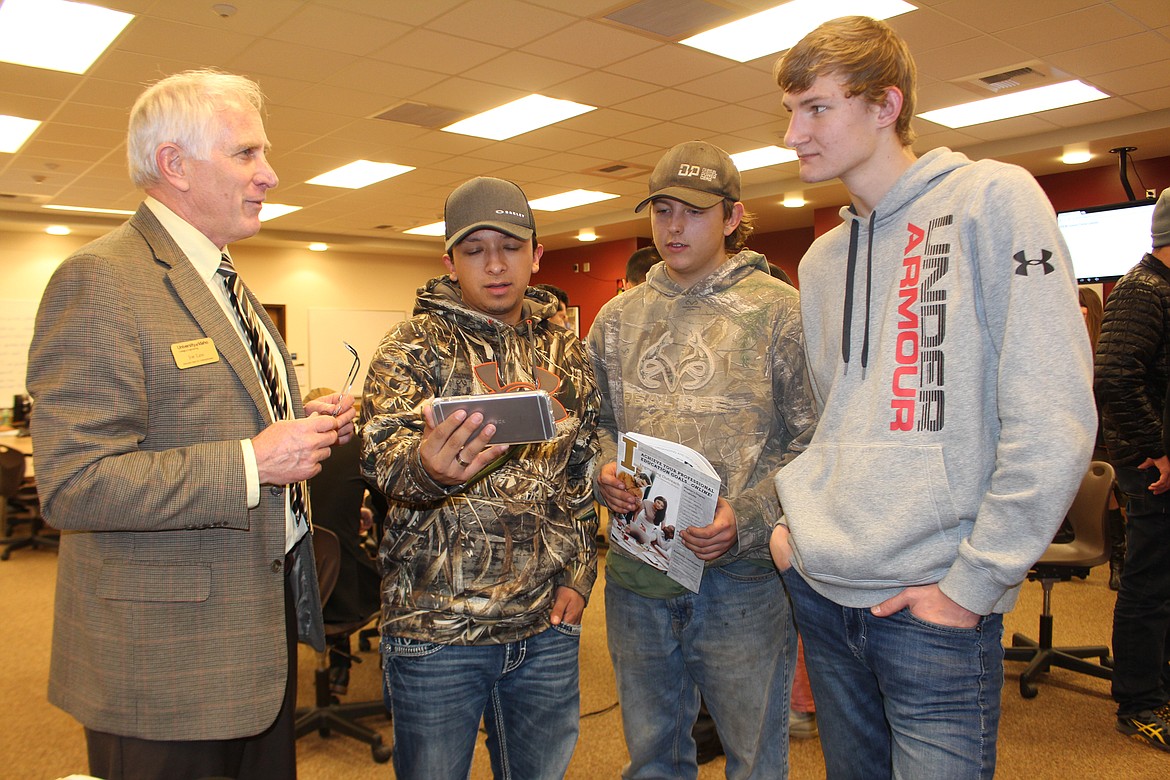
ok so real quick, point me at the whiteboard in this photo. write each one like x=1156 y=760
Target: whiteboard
x=16 y=330
x=329 y=361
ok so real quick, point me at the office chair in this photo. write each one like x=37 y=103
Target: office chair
x=327 y=715
x=20 y=505
x=1060 y=563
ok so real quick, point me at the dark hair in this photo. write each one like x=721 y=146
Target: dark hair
x=779 y=273
x=561 y=295
x=739 y=236
x=640 y=262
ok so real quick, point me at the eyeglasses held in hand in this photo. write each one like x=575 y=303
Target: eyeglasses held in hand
x=350 y=378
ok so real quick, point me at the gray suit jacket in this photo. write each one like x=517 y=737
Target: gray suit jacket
x=169 y=618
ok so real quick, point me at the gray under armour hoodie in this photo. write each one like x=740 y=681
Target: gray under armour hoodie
x=952 y=368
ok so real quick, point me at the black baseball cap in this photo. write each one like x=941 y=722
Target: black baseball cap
x=486 y=202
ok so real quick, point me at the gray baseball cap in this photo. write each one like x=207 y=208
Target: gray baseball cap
x=1160 y=225
x=485 y=202
x=697 y=173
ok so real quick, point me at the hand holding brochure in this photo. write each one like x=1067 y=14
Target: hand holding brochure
x=679 y=489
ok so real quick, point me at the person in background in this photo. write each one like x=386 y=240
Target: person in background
x=707 y=352
x=562 y=316
x=954 y=379
x=638 y=264
x=779 y=273
x=172 y=444
x=488 y=554
x=1094 y=313
x=1132 y=375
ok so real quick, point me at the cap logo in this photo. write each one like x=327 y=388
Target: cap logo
x=511 y=213
x=706 y=174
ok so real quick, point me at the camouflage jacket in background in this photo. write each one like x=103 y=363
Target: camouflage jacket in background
x=479 y=563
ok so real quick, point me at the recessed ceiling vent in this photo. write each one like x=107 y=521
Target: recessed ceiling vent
x=421 y=115
x=1026 y=75
x=671 y=19
x=618 y=170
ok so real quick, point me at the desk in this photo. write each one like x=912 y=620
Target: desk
x=22 y=443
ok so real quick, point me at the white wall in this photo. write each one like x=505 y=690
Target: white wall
x=297 y=278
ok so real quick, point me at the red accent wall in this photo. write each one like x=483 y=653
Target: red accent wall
x=590 y=289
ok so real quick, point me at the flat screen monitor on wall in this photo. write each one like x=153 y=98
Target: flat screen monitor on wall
x=1107 y=241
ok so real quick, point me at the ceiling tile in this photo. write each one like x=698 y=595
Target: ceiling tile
x=668 y=104
x=323 y=27
x=591 y=44
x=527 y=71
x=1084 y=27
x=671 y=65
x=438 y=51
x=507 y=23
x=1105 y=57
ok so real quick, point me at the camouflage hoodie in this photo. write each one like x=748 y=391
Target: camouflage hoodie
x=479 y=563
x=718 y=367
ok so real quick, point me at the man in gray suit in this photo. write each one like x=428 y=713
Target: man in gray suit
x=169 y=441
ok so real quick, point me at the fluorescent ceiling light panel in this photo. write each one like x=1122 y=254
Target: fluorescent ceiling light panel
x=14 y=131
x=86 y=209
x=273 y=210
x=1030 y=101
x=569 y=200
x=762 y=157
x=781 y=27
x=519 y=116
x=433 y=229
x=57 y=35
x=359 y=173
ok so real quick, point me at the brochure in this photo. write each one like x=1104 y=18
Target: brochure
x=679 y=489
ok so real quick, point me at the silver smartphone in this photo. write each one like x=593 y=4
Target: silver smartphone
x=520 y=418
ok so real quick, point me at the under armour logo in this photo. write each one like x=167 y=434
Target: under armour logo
x=1024 y=262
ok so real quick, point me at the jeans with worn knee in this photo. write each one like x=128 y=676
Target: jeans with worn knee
x=897 y=696
x=1141 y=617
x=734 y=642
x=527 y=693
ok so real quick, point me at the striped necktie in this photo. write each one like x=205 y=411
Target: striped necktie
x=265 y=361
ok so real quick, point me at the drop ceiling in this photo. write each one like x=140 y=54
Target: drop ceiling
x=330 y=67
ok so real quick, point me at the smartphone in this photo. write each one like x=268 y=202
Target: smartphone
x=520 y=418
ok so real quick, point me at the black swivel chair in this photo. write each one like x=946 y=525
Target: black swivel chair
x=328 y=715
x=20 y=505
x=1060 y=563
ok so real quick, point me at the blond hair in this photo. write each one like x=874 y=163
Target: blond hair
x=866 y=54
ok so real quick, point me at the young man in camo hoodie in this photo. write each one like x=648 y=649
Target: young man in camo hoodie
x=707 y=353
x=488 y=553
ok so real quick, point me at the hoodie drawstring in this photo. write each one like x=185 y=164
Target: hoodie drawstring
x=847 y=315
x=850 y=278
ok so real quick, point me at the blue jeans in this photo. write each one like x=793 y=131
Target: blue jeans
x=1141 y=618
x=897 y=696
x=734 y=642
x=526 y=692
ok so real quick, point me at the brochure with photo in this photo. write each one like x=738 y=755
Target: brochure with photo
x=679 y=489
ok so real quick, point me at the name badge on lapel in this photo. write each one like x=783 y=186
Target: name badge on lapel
x=199 y=352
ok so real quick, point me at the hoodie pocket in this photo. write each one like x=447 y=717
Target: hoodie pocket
x=870 y=515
